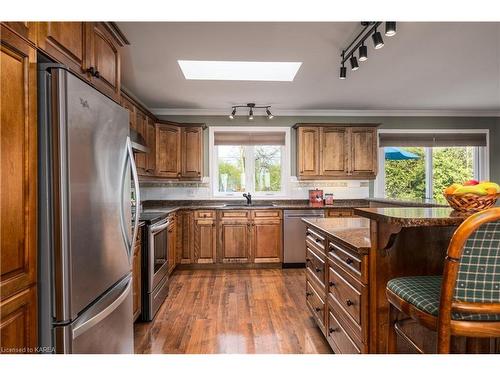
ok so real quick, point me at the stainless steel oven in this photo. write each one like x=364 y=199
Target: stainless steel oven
x=156 y=267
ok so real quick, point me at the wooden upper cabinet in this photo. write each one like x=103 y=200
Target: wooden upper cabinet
x=334 y=148
x=151 y=142
x=130 y=107
x=67 y=42
x=140 y=127
x=18 y=155
x=308 y=150
x=104 y=60
x=331 y=151
x=192 y=152
x=363 y=153
x=168 y=151
x=27 y=30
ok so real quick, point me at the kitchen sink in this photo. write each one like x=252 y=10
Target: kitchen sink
x=250 y=205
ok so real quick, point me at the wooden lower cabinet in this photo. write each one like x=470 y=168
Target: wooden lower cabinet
x=136 y=277
x=18 y=323
x=204 y=240
x=185 y=232
x=234 y=241
x=267 y=236
x=336 y=279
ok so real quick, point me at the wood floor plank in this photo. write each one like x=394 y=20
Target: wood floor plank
x=233 y=311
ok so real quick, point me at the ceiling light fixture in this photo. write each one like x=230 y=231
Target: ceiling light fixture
x=390 y=28
x=369 y=29
x=251 y=107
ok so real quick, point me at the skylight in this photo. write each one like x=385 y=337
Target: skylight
x=239 y=70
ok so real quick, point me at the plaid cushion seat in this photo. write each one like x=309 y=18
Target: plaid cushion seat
x=424 y=292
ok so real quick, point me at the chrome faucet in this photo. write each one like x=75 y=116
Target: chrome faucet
x=248 y=196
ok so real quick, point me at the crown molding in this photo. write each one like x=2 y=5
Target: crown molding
x=332 y=112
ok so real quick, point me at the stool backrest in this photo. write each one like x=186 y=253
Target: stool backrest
x=471 y=278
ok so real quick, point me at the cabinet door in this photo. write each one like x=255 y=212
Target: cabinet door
x=136 y=275
x=204 y=241
x=308 y=151
x=185 y=235
x=168 y=151
x=140 y=127
x=151 y=142
x=18 y=328
x=25 y=29
x=235 y=241
x=192 y=153
x=127 y=104
x=334 y=152
x=18 y=155
x=363 y=152
x=267 y=241
x=67 y=42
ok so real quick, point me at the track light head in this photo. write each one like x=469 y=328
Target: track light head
x=250 y=114
x=231 y=116
x=354 y=63
x=343 y=72
x=378 y=42
x=390 y=28
x=269 y=114
x=363 y=52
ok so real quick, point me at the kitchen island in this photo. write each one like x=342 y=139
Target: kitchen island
x=347 y=296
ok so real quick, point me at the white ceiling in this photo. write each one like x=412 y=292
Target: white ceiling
x=426 y=66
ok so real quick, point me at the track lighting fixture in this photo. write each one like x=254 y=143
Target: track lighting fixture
x=343 y=72
x=390 y=28
x=251 y=107
x=369 y=29
x=354 y=63
x=378 y=42
x=363 y=52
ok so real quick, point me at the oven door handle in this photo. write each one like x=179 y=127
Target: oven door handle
x=158 y=228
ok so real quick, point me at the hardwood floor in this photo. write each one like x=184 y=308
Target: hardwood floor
x=233 y=311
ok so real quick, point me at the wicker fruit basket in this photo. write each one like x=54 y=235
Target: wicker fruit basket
x=471 y=202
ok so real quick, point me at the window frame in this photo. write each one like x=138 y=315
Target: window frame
x=481 y=159
x=249 y=177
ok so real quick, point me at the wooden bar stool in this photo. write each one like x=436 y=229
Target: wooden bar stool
x=465 y=301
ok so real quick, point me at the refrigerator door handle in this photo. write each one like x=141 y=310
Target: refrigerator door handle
x=129 y=158
x=89 y=323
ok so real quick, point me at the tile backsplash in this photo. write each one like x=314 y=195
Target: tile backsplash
x=173 y=190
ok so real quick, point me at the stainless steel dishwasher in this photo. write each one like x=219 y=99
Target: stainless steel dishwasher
x=294 y=254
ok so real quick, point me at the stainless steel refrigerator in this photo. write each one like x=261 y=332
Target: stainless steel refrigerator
x=85 y=225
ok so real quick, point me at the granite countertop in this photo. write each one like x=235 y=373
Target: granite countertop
x=407 y=203
x=352 y=232
x=413 y=216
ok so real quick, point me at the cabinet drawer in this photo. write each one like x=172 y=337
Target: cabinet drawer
x=338 y=337
x=203 y=214
x=316 y=305
x=347 y=296
x=349 y=261
x=267 y=213
x=315 y=267
x=316 y=239
x=339 y=213
x=235 y=214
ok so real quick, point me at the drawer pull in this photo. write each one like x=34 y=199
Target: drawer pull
x=331 y=330
x=309 y=294
x=318 y=269
x=308 y=234
x=349 y=261
x=349 y=302
x=318 y=309
x=331 y=283
x=308 y=259
x=318 y=240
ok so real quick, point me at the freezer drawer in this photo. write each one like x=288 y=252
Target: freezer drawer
x=104 y=328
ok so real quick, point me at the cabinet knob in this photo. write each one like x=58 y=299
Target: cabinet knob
x=91 y=70
x=318 y=240
x=318 y=309
x=308 y=260
x=349 y=302
x=97 y=74
x=318 y=269
x=331 y=283
x=308 y=294
x=331 y=330
x=349 y=261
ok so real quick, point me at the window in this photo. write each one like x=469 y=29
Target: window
x=254 y=161
x=421 y=171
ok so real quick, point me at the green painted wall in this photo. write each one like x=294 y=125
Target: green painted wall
x=491 y=123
